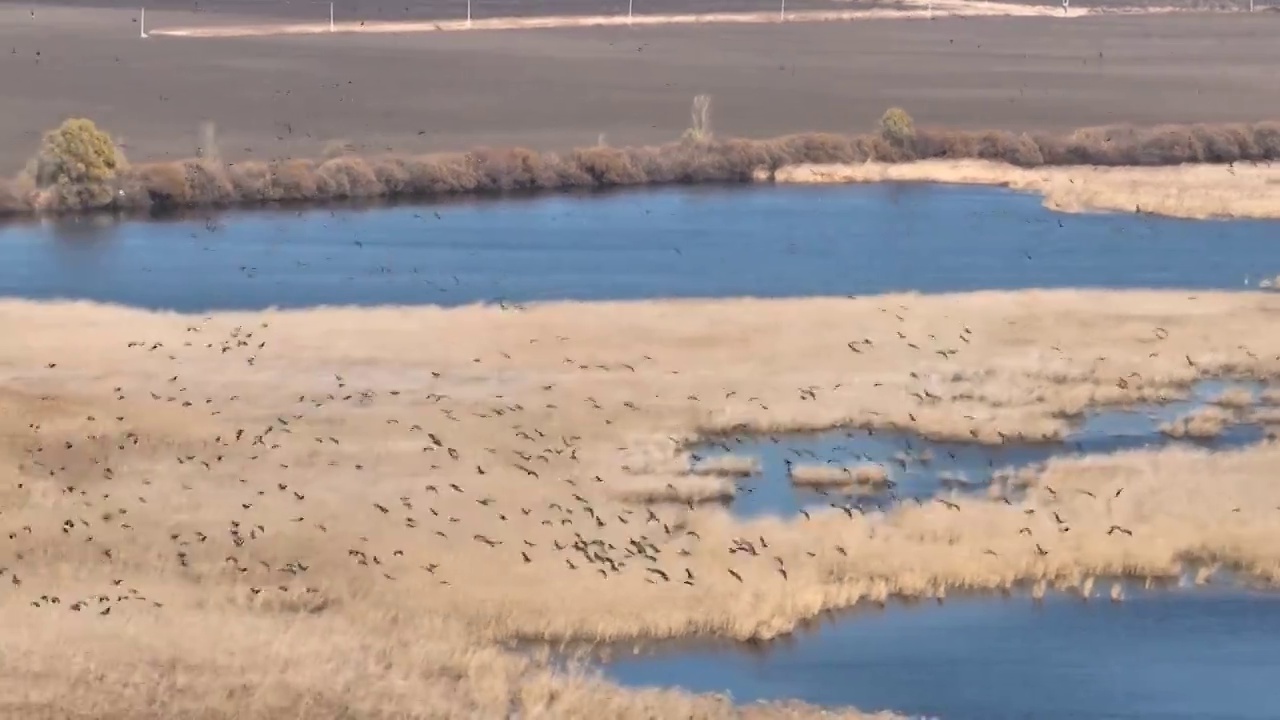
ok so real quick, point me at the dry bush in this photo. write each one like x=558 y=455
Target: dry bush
x=700 y=121
x=897 y=127
x=341 y=174
x=77 y=165
x=208 y=147
x=865 y=476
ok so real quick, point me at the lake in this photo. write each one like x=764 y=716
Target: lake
x=682 y=242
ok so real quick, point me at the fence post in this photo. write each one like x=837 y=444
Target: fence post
x=331 y=28
x=142 y=22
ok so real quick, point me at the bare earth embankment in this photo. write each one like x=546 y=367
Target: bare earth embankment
x=344 y=513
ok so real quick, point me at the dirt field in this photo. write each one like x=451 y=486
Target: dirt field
x=244 y=515
x=563 y=88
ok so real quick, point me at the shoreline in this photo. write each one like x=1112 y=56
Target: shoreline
x=1190 y=171
x=1193 y=191
x=1190 y=191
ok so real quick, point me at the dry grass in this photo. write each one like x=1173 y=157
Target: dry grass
x=727 y=465
x=820 y=476
x=1266 y=415
x=1185 y=190
x=1236 y=398
x=1208 y=191
x=321 y=563
x=649 y=490
x=1207 y=422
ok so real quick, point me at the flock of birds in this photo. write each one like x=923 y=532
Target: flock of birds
x=499 y=472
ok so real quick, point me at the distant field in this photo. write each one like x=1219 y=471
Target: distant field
x=563 y=88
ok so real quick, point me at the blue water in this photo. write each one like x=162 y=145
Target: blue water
x=1102 y=430
x=688 y=242
x=1186 y=655
x=1159 y=655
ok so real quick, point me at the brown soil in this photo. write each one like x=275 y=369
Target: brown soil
x=557 y=89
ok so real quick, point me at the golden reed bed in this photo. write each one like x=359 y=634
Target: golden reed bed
x=1200 y=191
x=349 y=512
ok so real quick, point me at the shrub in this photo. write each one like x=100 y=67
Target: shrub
x=700 y=127
x=78 y=163
x=897 y=128
x=79 y=168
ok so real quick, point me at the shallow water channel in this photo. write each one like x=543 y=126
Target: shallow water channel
x=1173 y=651
x=1205 y=653
x=951 y=466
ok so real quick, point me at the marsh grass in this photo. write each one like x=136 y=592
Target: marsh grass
x=727 y=465
x=1192 y=190
x=868 y=476
x=1207 y=422
x=1234 y=398
x=417 y=621
x=698 y=158
x=681 y=490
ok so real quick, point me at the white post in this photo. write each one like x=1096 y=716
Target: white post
x=631 y=3
x=330 y=17
x=142 y=23
x=782 y=13
x=468 y=13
